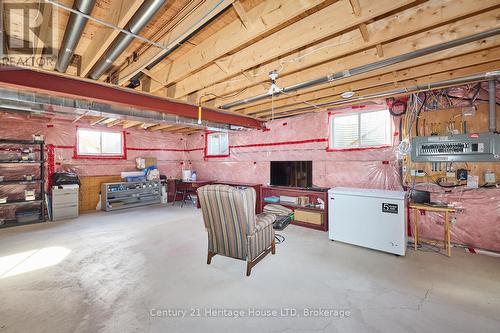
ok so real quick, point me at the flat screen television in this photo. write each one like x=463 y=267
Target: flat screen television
x=291 y=173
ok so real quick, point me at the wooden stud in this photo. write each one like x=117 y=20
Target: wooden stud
x=380 y=50
x=364 y=32
x=356 y=7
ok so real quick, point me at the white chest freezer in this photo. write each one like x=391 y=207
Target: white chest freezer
x=375 y=219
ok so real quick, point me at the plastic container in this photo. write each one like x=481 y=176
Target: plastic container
x=135 y=179
x=27 y=216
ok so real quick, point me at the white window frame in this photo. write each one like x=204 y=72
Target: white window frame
x=219 y=153
x=331 y=140
x=101 y=154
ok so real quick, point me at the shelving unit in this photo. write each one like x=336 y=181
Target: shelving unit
x=29 y=166
x=313 y=195
x=123 y=195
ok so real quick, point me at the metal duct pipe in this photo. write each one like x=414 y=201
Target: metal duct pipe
x=369 y=67
x=414 y=89
x=25 y=101
x=492 y=101
x=74 y=29
x=145 y=13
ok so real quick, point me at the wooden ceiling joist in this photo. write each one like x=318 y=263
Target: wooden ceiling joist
x=272 y=14
x=380 y=32
x=315 y=27
x=363 y=89
x=467 y=55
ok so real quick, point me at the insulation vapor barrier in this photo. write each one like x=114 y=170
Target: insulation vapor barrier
x=477 y=224
x=60 y=136
x=297 y=139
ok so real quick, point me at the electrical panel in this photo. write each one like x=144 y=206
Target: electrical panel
x=483 y=147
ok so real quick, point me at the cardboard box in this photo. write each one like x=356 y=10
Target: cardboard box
x=302 y=201
x=308 y=216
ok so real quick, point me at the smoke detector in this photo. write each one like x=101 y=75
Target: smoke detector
x=347 y=94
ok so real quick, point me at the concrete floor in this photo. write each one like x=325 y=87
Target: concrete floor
x=112 y=272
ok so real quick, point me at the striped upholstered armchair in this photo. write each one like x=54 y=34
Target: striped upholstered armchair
x=233 y=228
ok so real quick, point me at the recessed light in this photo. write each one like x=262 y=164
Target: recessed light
x=347 y=94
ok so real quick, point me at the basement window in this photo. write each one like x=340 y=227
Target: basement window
x=217 y=144
x=99 y=144
x=371 y=129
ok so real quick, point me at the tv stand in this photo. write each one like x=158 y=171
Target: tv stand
x=317 y=217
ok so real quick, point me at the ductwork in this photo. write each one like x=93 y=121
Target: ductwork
x=492 y=104
x=145 y=13
x=74 y=29
x=44 y=104
x=368 y=67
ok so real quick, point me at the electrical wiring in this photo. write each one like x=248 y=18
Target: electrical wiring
x=279 y=238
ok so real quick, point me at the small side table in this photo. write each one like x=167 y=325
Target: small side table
x=428 y=208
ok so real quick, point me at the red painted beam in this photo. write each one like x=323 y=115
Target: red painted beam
x=56 y=84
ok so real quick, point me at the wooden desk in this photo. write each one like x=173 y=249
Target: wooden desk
x=190 y=185
x=428 y=208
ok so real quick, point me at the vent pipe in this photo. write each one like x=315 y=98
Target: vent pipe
x=492 y=103
x=74 y=29
x=145 y=13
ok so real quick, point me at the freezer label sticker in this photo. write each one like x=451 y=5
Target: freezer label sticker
x=389 y=208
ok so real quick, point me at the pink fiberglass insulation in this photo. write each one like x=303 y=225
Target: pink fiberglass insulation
x=167 y=148
x=306 y=138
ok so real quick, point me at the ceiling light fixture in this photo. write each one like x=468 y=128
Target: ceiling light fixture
x=347 y=94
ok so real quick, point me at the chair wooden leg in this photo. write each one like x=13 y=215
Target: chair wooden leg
x=273 y=247
x=249 y=268
x=209 y=257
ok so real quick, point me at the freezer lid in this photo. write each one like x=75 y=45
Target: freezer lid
x=368 y=192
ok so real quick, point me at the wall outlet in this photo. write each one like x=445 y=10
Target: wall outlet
x=489 y=177
x=450 y=174
x=417 y=173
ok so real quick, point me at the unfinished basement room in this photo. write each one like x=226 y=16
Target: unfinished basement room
x=276 y=166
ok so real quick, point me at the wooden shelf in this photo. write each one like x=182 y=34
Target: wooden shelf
x=20 y=202
x=21 y=182
x=292 y=206
x=313 y=196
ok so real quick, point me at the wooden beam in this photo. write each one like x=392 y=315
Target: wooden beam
x=324 y=23
x=356 y=7
x=380 y=50
x=120 y=12
x=131 y=123
x=160 y=127
x=242 y=14
x=272 y=14
x=197 y=18
x=423 y=81
x=114 y=122
x=97 y=121
x=363 y=86
x=335 y=60
x=364 y=32
x=43 y=29
x=470 y=54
